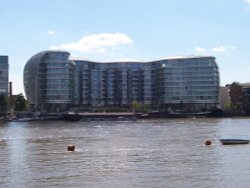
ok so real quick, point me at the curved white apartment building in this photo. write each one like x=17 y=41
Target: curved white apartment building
x=190 y=83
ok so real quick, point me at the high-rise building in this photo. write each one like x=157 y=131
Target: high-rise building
x=48 y=81
x=4 y=82
x=115 y=84
x=190 y=83
x=4 y=75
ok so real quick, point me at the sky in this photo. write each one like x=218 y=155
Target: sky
x=142 y=30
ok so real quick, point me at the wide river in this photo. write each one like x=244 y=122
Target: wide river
x=145 y=153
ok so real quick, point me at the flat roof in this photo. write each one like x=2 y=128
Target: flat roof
x=143 y=61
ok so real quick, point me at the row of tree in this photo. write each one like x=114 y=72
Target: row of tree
x=15 y=102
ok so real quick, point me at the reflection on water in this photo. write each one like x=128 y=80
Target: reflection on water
x=146 y=153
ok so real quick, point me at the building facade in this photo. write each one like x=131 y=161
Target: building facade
x=190 y=83
x=4 y=83
x=48 y=81
x=240 y=95
x=187 y=83
x=110 y=84
x=4 y=75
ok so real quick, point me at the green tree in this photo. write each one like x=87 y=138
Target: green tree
x=228 y=106
x=3 y=104
x=135 y=105
x=20 y=103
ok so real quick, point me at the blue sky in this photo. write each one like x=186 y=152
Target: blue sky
x=144 y=30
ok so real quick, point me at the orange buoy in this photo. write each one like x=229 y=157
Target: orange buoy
x=208 y=142
x=71 y=148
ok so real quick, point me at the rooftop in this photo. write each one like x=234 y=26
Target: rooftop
x=143 y=61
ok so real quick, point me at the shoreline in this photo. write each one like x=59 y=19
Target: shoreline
x=117 y=116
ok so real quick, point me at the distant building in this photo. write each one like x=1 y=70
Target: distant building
x=4 y=82
x=4 y=75
x=237 y=96
x=246 y=91
x=190 y=83
x=240 y=95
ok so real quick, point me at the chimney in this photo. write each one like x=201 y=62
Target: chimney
x=10 y=89
x=10 y=95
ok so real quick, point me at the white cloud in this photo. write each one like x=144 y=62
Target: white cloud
x=125 y=60
x=75 y=57
x=199 y=49
x=217 y=49
x=51 y=32
x=95 y=42
x=247 y=1
x=223 y=48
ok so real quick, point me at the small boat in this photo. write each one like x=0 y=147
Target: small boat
x=25 y=119
x=233 y=141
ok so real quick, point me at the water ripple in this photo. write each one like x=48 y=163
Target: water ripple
x=147 y=153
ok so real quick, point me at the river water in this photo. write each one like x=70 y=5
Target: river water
x=145 y=153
